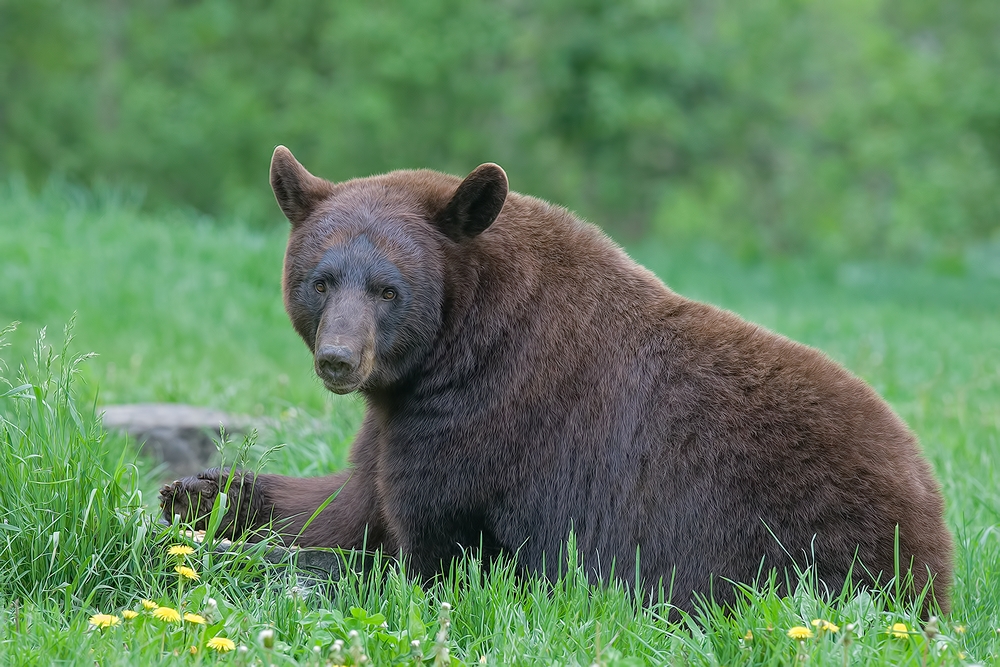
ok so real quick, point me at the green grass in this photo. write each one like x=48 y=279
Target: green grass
x=184 y=309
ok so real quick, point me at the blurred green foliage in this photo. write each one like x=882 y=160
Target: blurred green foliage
x=845 y=126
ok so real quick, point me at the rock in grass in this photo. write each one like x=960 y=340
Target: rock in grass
x=179 y=435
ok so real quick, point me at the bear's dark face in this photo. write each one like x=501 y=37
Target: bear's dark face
x=367 y=302
x=364 y=269
x=352 y=305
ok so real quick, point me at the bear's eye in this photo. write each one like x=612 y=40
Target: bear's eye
x=388 y=294
x=319 y=286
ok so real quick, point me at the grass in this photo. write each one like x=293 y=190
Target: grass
x=184 y=309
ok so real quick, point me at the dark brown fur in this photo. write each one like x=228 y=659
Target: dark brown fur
x=542 y=380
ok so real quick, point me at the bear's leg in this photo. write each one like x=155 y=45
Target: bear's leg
x=351 y=520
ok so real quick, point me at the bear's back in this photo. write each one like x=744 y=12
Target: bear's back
x=641 y=417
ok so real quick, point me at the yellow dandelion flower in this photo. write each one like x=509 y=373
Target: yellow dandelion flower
x=193 y=650
x=180 y=550
x=748 y=636
x=960 y=629
x=104 y=620
x=186 y=572
x=128 y=614
x=825 y=626
x=167 y=614
x=899 y=631
x=800 y=632
x=195 y=618
x=221 y=644
x=148 y=605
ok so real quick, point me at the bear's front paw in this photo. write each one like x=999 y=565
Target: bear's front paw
x=190 y=498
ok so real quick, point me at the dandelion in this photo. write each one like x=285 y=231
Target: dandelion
x=748 y=637
x=298 y=592
x=195 y=618
x=128 y=614
x=186 y=572
x=899 y=631
x=847 y=638
x=825 y=626
x=104 y=620
x=357 y=651
x=960 y=629
x=266 y=638
x=337 y=653
x=931 y=629
x=167 y=615
x=221 y=644
x=193 y=650
x=180 y=550
x=800 y=633
x=148 y=605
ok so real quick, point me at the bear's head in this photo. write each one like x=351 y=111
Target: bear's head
x=365 y=270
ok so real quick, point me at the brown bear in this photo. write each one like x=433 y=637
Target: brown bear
x=524 y=377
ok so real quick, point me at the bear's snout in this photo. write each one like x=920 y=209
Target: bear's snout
x=336 y=364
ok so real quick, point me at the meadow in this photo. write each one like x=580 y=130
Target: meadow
x=180 y=307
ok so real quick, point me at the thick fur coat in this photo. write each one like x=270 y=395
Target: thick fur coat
x=524 y=377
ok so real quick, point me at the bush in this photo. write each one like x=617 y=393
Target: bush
x=778 y=126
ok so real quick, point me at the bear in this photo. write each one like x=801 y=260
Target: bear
x=524 y=378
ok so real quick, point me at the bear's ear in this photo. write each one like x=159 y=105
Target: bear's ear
x=476 y=203
x=296 y=190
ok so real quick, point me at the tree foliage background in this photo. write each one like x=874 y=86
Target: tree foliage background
x=851 y=127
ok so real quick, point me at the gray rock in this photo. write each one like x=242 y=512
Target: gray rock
x=179 y=435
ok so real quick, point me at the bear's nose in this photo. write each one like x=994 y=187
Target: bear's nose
x=336 y=361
